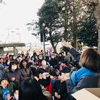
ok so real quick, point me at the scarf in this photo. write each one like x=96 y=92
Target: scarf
x=77 y=75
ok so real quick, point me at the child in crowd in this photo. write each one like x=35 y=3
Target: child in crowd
x=4 y=89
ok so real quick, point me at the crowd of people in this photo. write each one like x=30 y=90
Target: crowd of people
x=54 y=77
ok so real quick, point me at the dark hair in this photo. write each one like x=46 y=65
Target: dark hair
x=21 y=63
x=56 y=67
x=4 y=79
x=30 y=63
x=53 y=73
x=12 y=63
x=30 y=90
x=90 y=59
x=65 y=62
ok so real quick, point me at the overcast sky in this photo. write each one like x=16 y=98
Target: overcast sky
x=14 y=15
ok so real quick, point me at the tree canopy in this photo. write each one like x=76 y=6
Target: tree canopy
x=72 y=20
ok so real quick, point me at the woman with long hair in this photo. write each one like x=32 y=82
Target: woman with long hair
x=25 y=70
x=30 y=89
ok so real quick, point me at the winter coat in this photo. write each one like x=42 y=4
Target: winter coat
x=60 y=88
x=16 y=74
x=26 y=73
x=85 y=82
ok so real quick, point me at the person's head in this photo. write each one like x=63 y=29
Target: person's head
x=40 y=56
x=52 y=56
x=32 y=58
x=64 y=63
x=68 y=54
x=44 y=63
x=46 y=54
x=14 y=57
x=1 y=60
x=13 y=65
x=30 y=64
x=55 y=55
x=62 y=53
x=53 y=74
x=10 y=57
x=61 y=77
x=90 y=59
x=30 y=90
x=57 y=67
x=4 y=83
x=24 y=63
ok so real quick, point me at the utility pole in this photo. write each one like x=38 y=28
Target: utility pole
x=43 y=45
x=43 y=37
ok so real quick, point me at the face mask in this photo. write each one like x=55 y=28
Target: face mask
x=43 y=63
x=16 y=97
x=20 y=58
x=51 y=77
x=40 y=58
x=57 y=73
x=13 y=68
x=8 y=63
x=32 y=58
x=52 y=56
x=14 y=57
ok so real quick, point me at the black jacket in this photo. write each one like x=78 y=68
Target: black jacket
x=53 y=62
x=44 y=82
x=60 y=88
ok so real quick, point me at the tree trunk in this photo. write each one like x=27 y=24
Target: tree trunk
x=74 y=25
x=52 y=43
x=54 y=48
x=97 y=16
x=99 y=40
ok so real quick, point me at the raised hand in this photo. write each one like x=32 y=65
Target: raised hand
x=66 y=44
